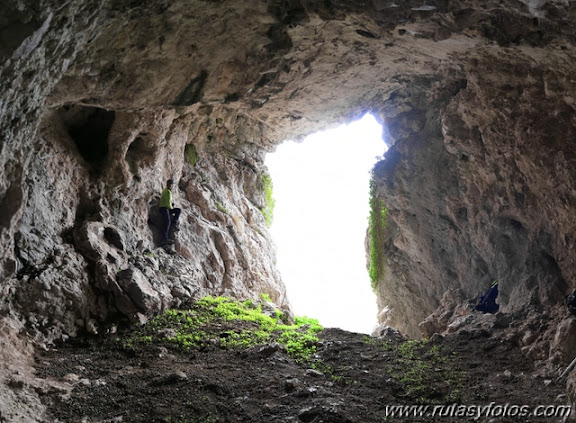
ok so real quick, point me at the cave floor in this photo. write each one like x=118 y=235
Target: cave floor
x=352 y=378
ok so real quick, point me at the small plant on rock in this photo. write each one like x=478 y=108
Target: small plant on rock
x=268 y=210
x=221 y=207
x=378 y=222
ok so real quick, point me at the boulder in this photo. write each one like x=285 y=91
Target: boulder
x=139 y=291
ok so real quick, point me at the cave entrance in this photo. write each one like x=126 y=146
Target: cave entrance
x=321 y=188
x=89 y=128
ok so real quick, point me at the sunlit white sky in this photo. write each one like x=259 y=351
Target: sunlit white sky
x=321 y=188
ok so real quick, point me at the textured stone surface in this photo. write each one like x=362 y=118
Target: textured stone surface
x=484 y=190
x=94 y=129
x=19 y=386
x=93 y=220
x=100 y=103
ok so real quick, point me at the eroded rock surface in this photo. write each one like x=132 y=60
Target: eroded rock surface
x=482 y=170
x=102 y=102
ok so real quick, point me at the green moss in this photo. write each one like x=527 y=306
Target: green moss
x=221 y=207
x=205 y=324
x=279 y=315
x=191 y=154
x=427 y=373
x=268 y=210
x=378 y=222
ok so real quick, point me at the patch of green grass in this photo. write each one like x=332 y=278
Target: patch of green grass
x=300 y=339
x=427 y=373
x=407 y=350
x=191 y=154
x=226 y=323
x=369 y=340
x=145 y=339
x=378 y=222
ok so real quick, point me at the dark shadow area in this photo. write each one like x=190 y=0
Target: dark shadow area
x=87 y=210
x=89 y=128
x=113 y=237
x=13 y=31
x=193 y=92
x=155 y=220
x=10 y=203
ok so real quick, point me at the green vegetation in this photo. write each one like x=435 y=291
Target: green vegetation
x=268 y=210
x=225 y=323
x=377 y=235
x=221 y=207
x=427 y=373
x=191 y=154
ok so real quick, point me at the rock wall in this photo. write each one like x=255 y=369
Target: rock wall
x=482 y=190
x=102 y=102
x=88 y=241
x=84 y=162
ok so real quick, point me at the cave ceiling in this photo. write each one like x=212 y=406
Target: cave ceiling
x=295 y=66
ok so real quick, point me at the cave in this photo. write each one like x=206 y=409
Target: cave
x=89 y=128
x=478 y=104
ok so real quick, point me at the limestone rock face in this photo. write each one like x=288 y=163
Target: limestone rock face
x=102 y=102
x=88 y=242
x=482 y=191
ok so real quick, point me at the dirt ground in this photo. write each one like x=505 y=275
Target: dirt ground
x=352 y=378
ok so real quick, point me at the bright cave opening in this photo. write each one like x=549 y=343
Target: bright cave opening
x=321 y=189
